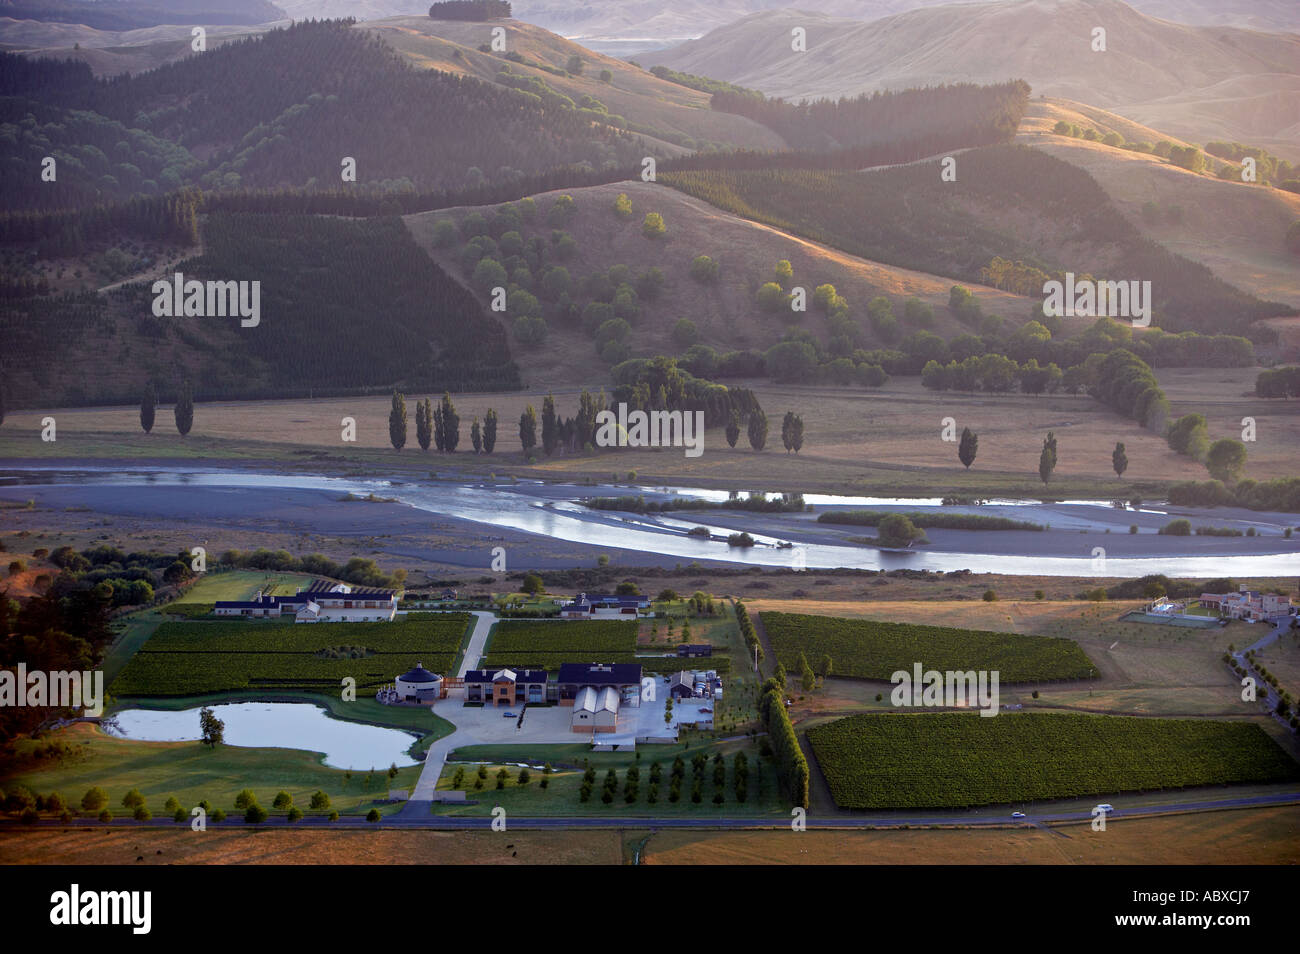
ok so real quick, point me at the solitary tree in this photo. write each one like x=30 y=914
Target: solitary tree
x=1047 y=459
x=148 y=407
x=1119 y=460
x=757 y=429
x=212 y=731
x=1225 y=459
x=397 y=421
x=968 y=447
x=489 y=431
x=528 y=428
x=185 y=409
x=733 y=428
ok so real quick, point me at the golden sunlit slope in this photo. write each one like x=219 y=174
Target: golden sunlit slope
x=1195 y=82
x=641 y=98
x=724 y=313
x=1235 y=229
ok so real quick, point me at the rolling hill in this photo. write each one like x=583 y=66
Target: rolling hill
x=1198 y=83
x=724 y=313
x=282 y=110
x=630 y=22
x=111 y=52
x=1235 y=229
x=678 y=117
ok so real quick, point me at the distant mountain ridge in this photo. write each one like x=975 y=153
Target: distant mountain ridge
x=1198 y=83
x=686 y=18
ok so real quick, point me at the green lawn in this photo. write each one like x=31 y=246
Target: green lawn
x=192 y=772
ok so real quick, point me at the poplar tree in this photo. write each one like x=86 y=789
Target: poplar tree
x=1047 y=459
x=757 y=429
x=185 y=409
x=397 y=421
x=423 y=426
x=489 y=431
x=148 y=407
x=450 y=424
x=550 y=431
x=528 y=429
x=733 y=428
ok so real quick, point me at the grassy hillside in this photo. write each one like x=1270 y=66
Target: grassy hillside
x=665 y=111
x=724 y=312
x=283 y=110
x=319 y=277
x=1008 y=201
x=1235 y=229
x=1197 y=82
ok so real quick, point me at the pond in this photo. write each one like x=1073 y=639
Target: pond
x=281 y=725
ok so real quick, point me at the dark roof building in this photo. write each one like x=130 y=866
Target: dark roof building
x=624 y=677
x=600 y=674
x=695 y=649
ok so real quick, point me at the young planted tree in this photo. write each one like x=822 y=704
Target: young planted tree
x=476 y=436
x=184 y=410
x=439 y=434
x=397 y=421
x=489 y=431
x=968 y=447
x=733 y=428
x=1119 y=460
x=148 y=407
x=528 y=429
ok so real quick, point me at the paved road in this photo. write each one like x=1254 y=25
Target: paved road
x=1269 y=697
x=421 y=820
x=436 y=756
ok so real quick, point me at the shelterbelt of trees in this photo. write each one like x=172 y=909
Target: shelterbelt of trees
x=974 y=115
